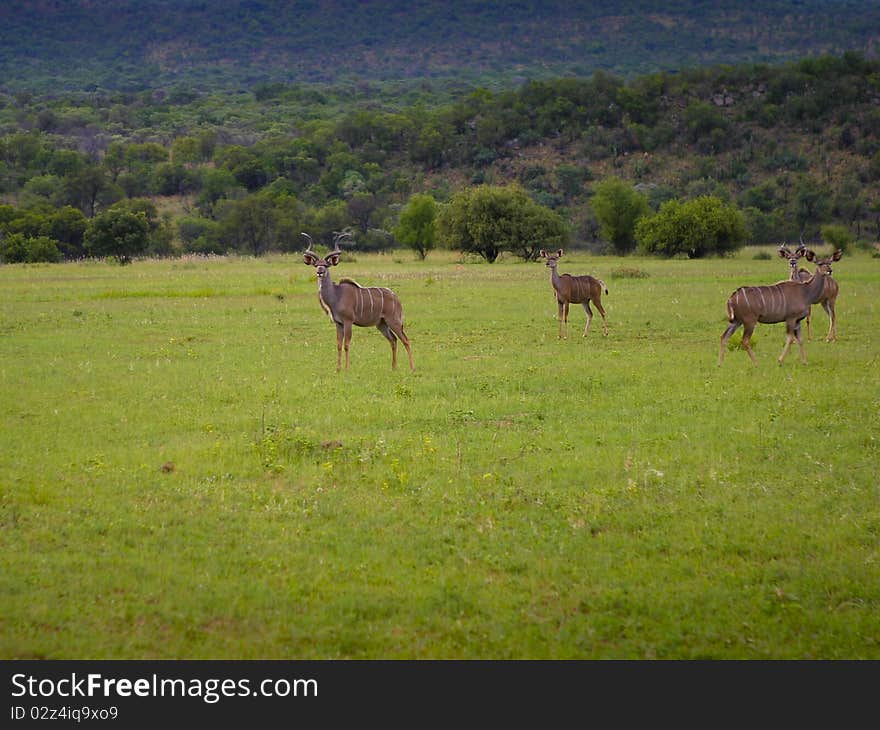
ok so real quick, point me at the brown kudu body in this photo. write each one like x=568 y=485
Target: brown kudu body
x=786 y=301
x=575 y=290
x=348 y=303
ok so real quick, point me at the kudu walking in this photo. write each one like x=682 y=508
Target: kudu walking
x=828 y=300
x=786 y=301
x=575 y=290
x=348 y=303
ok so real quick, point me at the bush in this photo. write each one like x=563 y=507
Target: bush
x=17 y=248
x=618 y=208
x=628 y=272
x=837 y=236
x=696 y=228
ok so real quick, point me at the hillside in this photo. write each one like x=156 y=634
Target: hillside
x=63 y=45
x=219 y=153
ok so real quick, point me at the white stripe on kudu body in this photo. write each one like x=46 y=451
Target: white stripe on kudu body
x=348 y=303
x=786 y=301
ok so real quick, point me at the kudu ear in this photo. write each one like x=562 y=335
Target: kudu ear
x=542 y=253
x=309 y=259
x=836 y=255
x=559 y=252
x=332 y=258
x=784 y=253
x=809 y=255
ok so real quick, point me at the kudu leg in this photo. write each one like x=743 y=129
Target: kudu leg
x=346 y=341
x=832 y=328
x=405 y=340
x=589 y=317
x=601 y=310
x=731 y=328
x=747 y=341
x=809 y=328
x=792 y=334
x=392 y=338
x=800 y=341
x=563 y=319
x=340 y=335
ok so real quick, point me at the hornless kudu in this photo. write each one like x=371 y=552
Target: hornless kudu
x=348 y=303
x=829 y=293
x=786 y=301
x=575 y=290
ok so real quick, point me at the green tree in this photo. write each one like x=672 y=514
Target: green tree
x=850 y=202
x=248 y=225
x=160 y=227
x=91 y=190
x=697 y=228
x=199 y=235
x=361 y=208
x=618 y=207
x=328 y=218
x=19 y=248
x=67 y=226
x=216 y=184
x=837 y=236
x=118 y=233
x=571 y=179
x=704 y=120
x=42 y=189
x=417 y=227
x=488 y=219
x=812 y=203
x=186 y=150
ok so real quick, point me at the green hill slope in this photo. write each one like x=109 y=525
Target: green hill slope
x=136 y=44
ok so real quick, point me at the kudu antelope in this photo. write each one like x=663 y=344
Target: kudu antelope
x=348 y=303
x=575 y=290
x=786 y=301
x=829 y=293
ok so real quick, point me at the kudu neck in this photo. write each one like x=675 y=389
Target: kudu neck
x=815 y=285
x=326 y=287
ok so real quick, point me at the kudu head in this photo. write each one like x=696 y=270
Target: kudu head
x=310 y=258
x=792 y=256
x=552 y=258
x=823 y=265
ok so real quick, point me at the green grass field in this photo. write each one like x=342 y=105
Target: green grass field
x=184 y=475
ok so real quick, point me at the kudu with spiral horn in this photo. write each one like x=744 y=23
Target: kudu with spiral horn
x=828 y=299
x=348 y=303
x=787 y=301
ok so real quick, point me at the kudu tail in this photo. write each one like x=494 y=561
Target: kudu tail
x=602 y=284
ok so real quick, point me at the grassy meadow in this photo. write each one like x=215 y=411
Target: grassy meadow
x=183 y=474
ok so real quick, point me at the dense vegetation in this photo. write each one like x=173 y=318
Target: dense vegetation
x=131 y=45
x=793 y=148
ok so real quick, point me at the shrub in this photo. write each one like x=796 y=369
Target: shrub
x=697 y=228
x=628 y=272
x=17 y=248
x=837 y=236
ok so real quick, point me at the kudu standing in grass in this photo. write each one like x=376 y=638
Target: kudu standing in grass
x=786 y=301
x=348 y=303
x=829 y=293
x=575 y=290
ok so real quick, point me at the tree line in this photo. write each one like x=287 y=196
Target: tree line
x=764 y=154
